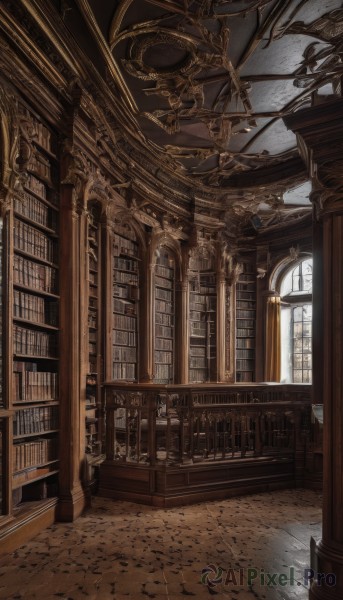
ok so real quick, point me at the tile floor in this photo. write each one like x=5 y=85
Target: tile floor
x=124 y=551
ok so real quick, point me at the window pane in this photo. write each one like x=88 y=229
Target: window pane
x=307 y=329
x=296 y=283
x=297 y=376
x=297 y=361
x=307 y=309
x=307 y=344
x=298 y=345
x=298 y=330
x=298 y=313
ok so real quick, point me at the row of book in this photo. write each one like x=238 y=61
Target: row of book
x=124 y=308
x=163 y=294
x=36 y=186
x=122 y=247
x=246 y=287
x=35 y=420
x=245 y=295
x=245 y=365
x=124 y=322
x=162 y=344
x=165 y=358
x=164 y=271
x=34 y=308
x=197 y=350
x=246 y=323
x=197 y=362
x=243 y=303
x=33 y=386
x=248 y=342
x=126 y=264
x=126 y=292
x=128 y=278
x=164 y=331
x=164 y=319
x=164 y=283
x=245 y=314
x=40 y=165
x=164 y=307
x=29 y=206
x=198 y=375
x=124 y=338
x=34 y=275
x=163 y=373
x=124 y=371
x=30 y=240
x=240 y=353
x=122 y=354
x=33 y=343
x=37 y=452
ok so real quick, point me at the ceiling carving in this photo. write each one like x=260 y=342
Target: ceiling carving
x=185 y=99
x=209 y=81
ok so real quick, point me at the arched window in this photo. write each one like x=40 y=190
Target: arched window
x=296 y=323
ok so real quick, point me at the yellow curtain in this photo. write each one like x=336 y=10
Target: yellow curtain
x=272 y=364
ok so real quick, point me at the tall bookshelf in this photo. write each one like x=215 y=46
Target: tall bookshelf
x=164 y=317
x=35 y=396
x=94 y=426
x=125 y=255
x=245 y=324
x=202 y=317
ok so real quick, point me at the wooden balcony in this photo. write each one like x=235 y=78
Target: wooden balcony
x=175 y=444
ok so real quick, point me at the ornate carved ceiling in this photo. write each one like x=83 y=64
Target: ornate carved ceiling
x=209 y=81
x=195 y=92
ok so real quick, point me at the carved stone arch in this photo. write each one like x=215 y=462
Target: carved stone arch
x=165 y=239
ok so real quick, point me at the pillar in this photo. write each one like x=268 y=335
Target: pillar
x=320 y=138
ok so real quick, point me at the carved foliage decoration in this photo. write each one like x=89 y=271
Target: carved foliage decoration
x=201 y=83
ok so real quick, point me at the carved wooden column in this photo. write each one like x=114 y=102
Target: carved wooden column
x=108 y=299
x=147 y=329
x=182 y=321
x=72 y=500
x=320 y=135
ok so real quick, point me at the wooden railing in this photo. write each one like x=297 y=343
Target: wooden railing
x=174 y=425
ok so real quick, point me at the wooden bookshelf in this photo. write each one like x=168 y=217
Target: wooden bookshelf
x=34 y=239
x=245 y=324
x=164 y=317
x=202 y=317
x=125 y=297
